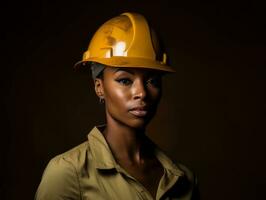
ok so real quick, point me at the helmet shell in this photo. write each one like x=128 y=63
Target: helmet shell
x=125 y=41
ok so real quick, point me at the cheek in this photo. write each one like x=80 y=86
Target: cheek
x=155 y=94
x=121 y=94
x=116 y=95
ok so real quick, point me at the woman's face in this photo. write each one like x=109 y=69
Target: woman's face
x=131 y=95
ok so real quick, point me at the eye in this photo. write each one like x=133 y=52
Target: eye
x=124 y=81
x=155 y=82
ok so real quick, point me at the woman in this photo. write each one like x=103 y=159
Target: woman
x=118 y=161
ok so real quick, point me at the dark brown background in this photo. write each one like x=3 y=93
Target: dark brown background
x=212 y=115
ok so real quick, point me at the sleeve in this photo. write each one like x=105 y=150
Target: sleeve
x=59 y=181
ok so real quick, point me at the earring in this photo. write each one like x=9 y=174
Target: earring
x=101 y=100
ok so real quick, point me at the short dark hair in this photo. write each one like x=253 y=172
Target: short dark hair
x=97 y=70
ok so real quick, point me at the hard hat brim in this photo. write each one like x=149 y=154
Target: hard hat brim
x=127 y=62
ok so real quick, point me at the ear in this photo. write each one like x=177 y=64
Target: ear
x=98 y=86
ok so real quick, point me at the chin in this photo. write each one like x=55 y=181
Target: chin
x=140 y=124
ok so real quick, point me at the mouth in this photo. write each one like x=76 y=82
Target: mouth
x=140 y=111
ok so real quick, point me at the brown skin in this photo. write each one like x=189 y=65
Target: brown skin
x=131 y=99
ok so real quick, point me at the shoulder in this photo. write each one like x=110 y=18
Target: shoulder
x=74 y=159
x=75 y=156
x=61 y=175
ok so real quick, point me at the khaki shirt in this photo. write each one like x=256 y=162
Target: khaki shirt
x=90 y=172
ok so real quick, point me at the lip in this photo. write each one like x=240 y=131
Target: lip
x=139 y=111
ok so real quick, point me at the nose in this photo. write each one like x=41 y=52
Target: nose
x=139 y=90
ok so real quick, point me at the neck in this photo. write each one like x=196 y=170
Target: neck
x=125 y=142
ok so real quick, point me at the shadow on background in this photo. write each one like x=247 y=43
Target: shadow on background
x=212 y=115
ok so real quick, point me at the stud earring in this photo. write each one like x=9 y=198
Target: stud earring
x=101 y=100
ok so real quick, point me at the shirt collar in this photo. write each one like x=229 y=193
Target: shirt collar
x=100 y=150
x=104 y=158
x=167 y=162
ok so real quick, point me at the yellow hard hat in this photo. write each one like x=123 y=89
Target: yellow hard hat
x=125 y=41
